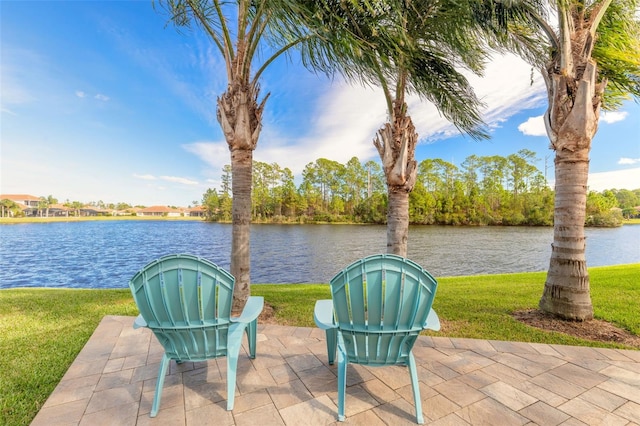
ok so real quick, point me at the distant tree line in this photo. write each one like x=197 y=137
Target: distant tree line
x=489 y=190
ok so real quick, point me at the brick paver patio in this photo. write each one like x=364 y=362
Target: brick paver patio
x=463 y=381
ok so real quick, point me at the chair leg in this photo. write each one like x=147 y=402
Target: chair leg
x=332 y=344
x=413 y=372
x=251 y=332
x=159 y=384
x=232 y=366
x=234 y=342
x=342 y=382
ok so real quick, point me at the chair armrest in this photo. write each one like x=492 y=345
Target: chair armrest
x=139 y=322
x=323 y=314
x=251 y=310
x=433 y=322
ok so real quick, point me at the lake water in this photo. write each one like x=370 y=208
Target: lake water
x=105 y=254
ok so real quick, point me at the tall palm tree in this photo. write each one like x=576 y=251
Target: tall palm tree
x=237 y=29
x=433 y=28
x=594 y=63
x=245 y=31
x=438 y=38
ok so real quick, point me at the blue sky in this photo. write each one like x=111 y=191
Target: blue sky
x=104 y=101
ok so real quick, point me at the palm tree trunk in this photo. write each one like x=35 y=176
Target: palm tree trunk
x=398 y=222
x=396 y=144
x=566 y=290
x=241 y=166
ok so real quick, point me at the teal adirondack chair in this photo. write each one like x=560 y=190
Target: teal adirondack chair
x=379 y=306
x=186 y=301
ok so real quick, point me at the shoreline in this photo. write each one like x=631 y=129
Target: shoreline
x=58 y=219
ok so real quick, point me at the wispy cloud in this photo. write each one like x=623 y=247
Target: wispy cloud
x=214 y=154
x=99 y=96
x=534 y=126
x=174 y=179
x=16 y=69
x=7 y=110
x=167 y=66
x=505 y=97
x=624 y=160
x=619 y=179
x=14 y=93
x=177 y=179
x=613 y=117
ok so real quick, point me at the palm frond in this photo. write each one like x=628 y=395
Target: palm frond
x=617 y=53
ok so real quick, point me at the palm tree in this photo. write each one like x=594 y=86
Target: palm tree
x=437 y=38
x=9 y=207
x=243 y=32
x=45 y=203
x=594 y=63
x=239 y=110
x=433 y=29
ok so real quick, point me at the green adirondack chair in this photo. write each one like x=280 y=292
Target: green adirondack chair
x=379 y=306
x=186 y=301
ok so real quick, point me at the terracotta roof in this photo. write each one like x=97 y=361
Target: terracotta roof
x=94 y=208
x=159 y=209
x=19 y=197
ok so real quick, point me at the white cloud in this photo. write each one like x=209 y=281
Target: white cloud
x=215 y=154
x=534 y=126
x=503 y=97
x=341 y=130
x=7 y=110
x=144 y=177
x=347 y=117
x=177 y=179
x=507 y=96
x=174 y=179
x=619 y=179
x=624 y=160
x=346 y=120
x=98 y=96
x=613 y=117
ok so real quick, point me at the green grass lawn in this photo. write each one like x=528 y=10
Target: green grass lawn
x=42 y=330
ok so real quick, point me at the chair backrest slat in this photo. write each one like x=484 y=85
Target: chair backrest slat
x=186 y=301
x=381 y=303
